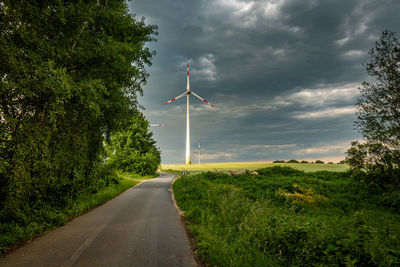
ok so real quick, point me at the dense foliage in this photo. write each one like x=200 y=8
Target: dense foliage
x=133 y=148
x=376 y=159
x=286 y=217
x=69 y=75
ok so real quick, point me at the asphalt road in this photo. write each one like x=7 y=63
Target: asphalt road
x=141 y=227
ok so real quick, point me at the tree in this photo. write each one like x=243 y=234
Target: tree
x=69 y=75
x=378 y=117
x=319 y=161
x=292 y=161
x=133 y=148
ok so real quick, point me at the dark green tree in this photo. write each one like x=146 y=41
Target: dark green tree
x=69 y=75
x=133 y=148
x=378 y=117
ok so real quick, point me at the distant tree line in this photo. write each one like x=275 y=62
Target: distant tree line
x=69 y=75
x=305 y=161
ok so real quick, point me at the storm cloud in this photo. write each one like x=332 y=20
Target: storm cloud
x=283 y=74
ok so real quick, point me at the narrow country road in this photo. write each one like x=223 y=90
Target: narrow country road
x=141 y=227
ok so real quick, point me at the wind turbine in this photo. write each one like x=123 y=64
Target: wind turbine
x=187 y=93
x=199 y=149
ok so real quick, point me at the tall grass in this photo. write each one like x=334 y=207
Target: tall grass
x=286 y=217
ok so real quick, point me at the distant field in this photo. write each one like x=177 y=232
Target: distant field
x=307 y=167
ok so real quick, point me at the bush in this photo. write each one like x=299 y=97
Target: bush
x=133 y=148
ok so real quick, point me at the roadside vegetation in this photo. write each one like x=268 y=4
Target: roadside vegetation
x=69 y=79
x=50 y=216
x=286 y=217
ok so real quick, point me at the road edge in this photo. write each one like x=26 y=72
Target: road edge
x=23 y=243
x=189 y=235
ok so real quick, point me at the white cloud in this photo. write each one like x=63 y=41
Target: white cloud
x=215 y=155
x=235 y=5
x=273 y=146
x=357 y=22
x=237 y=107
x=353 y=53
x=202 y=68
x=343 y=41
x=248 y=14
x=230 y=106
x=327 y=113
x=207 y=68
x=337 y=148
x=320 y=96
x=272 y=8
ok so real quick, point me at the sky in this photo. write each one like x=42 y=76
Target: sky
x=283 y=75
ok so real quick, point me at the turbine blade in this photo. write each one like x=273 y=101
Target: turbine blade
x=173 y=99
x=205 y=101
x=155 y=125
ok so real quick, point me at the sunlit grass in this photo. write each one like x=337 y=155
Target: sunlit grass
x=134 y=176
x=307 y=167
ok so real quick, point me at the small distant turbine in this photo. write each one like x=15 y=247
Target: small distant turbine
x=187 y=93
x=199 y=149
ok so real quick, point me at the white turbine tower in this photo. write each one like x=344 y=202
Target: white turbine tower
x=187 y=93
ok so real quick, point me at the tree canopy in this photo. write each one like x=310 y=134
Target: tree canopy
x=378 y=117
x=70 y=72
x=133 y=148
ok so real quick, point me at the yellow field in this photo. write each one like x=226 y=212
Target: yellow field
x=253 y=166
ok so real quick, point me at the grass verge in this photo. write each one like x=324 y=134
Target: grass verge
x=286 y=217
x=13 y=235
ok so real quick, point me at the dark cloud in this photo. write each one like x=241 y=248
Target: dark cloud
x=283 y=74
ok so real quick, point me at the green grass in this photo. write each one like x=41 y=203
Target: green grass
x=307 y=167
x=41 y=221
x=287 y=217
x=134 y=176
